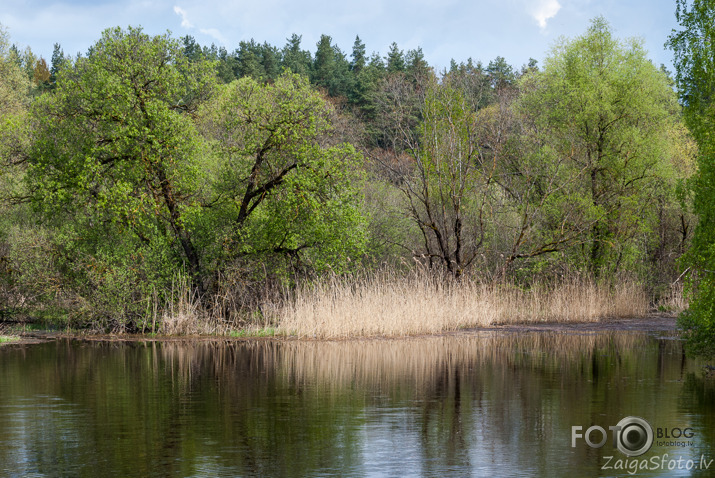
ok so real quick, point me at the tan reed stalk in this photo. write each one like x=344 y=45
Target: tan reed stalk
x=385 y=304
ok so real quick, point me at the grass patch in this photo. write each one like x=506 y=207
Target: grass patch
x=266 y=332
x=33 y=327
x=8 y=338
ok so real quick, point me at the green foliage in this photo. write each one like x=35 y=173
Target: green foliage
x=603 y=107
x=695 y=78
x=417 y=67
x=331 y=70
x=260 y=62
x=294 y=58
x=395 y=59
x=116 y=156
x=245 y=333
x=58 y=62
x=474 y=82
x=364 y=91
x=14 y=138
x=144 y=171
x=283 y=187
x=359 y=57
x=502 y=75
x=698 y=321
x=14 y=85
x=140 y=168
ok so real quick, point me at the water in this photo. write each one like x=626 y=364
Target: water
x=488 y=404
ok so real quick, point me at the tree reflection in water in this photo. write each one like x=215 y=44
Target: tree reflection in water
x=472 y=404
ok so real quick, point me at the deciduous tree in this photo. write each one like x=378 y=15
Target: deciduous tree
x=695 y=77
x=446 y=193
x=283 y=187
x=602 y=105
x=116 y=150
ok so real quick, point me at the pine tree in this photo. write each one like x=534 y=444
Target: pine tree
x=395 y=59
x=295 y=59
x=324 y=62
x=359 y=59
x=192 y=50
x=331 y=70
x=249 y=57
x=58 y=61
x=417 y=66
x=501 y=73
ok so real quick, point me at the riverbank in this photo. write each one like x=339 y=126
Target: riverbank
x=389 y=305
x=656 y=323
x=653 y=322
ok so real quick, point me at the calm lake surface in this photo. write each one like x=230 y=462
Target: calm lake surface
x=482 y=404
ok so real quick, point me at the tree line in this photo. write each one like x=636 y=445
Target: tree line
x=151 y=158
x=354 y=79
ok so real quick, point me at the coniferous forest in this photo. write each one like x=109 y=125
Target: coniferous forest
x=151 y=172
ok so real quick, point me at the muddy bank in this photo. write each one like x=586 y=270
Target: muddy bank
x=650 y=323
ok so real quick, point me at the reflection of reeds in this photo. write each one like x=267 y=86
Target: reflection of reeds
x=388 y=305
x=336 y=365
x=420 y=361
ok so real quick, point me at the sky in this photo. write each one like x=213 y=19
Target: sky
x=445 y=29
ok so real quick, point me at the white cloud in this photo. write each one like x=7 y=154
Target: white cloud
x=211 y=32
x=184 y=17
x=215 y=34
x=544 y=10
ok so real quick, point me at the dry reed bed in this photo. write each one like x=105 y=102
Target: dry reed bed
x=387 y=305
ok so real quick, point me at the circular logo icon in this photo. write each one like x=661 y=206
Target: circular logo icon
x=634 y=437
